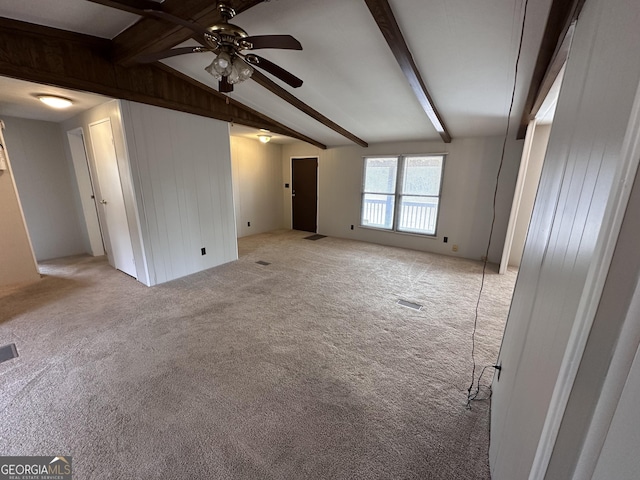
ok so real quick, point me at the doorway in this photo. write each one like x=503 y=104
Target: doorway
x=533 y=155
x=304 y=201
x=78 y=150
x=111 y=209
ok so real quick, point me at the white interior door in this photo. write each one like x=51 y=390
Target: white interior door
x=111 y=200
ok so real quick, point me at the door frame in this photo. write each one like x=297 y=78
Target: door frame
x=290 y=195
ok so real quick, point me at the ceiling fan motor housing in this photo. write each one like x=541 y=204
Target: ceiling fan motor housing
x=225 y=34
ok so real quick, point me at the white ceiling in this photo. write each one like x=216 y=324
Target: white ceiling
x=75 y=15
x=466 y=52
x=20 y=99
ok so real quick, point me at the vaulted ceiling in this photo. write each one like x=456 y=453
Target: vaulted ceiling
x=354 y=89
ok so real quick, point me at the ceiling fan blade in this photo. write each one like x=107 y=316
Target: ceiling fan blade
x=224 y=86
x=273 y=69
x=153 y=57
x=273 y=41
x=177 y=20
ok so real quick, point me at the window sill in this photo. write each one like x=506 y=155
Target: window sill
x=411 y=234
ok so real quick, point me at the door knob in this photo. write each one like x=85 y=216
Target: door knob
x=103 y=202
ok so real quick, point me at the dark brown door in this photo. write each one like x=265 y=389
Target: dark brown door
x=304 y=180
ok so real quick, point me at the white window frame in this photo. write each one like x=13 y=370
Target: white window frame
x=397 y=193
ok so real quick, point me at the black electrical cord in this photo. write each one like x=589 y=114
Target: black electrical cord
x=471 y=397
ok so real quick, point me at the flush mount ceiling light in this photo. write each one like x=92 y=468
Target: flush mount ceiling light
x=54 y=101
x=264 y=138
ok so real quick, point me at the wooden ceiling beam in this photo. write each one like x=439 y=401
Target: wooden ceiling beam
x=150 y=35
x=553 y=53
x=81 y=62
x=383 y=15
x=273 y=87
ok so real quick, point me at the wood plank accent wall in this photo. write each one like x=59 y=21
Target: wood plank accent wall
x=564 y=245
x=77 y=61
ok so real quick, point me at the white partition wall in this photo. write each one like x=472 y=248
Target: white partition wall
x=181 y=168
x=568 y=246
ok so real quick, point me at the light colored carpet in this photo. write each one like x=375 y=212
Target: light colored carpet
x=302 y=369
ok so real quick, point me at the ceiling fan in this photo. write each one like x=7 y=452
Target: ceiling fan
x=232 y=45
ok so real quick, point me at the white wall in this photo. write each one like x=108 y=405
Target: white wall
x=17 y=261
x=470 y=171
x=45 y=186
x=181 y=166
x=257 y=186
x=529 y=189
x=578 y=178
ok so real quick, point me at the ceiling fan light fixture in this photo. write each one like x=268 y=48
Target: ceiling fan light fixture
x=264 y=138
x=222 y=64
x=212 y=70
x=234 y=75
x=244 y=69
x=54 y=101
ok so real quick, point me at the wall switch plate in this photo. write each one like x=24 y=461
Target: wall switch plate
x=351 y=227
x=203 y=251
x=446 y=239
x=248 y=224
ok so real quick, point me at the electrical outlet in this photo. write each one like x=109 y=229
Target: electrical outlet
x=248 y=224
x=446 y=239
x=454 y=248
x=351 y=227
x=203 y=251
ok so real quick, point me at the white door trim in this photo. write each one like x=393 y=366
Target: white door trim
x=517 y=196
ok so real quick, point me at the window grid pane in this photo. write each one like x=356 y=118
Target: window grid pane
x=418 y=214
x=422 y=175
x=377 y=210
x=380 y=175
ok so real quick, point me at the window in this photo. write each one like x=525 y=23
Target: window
x=402 y=193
